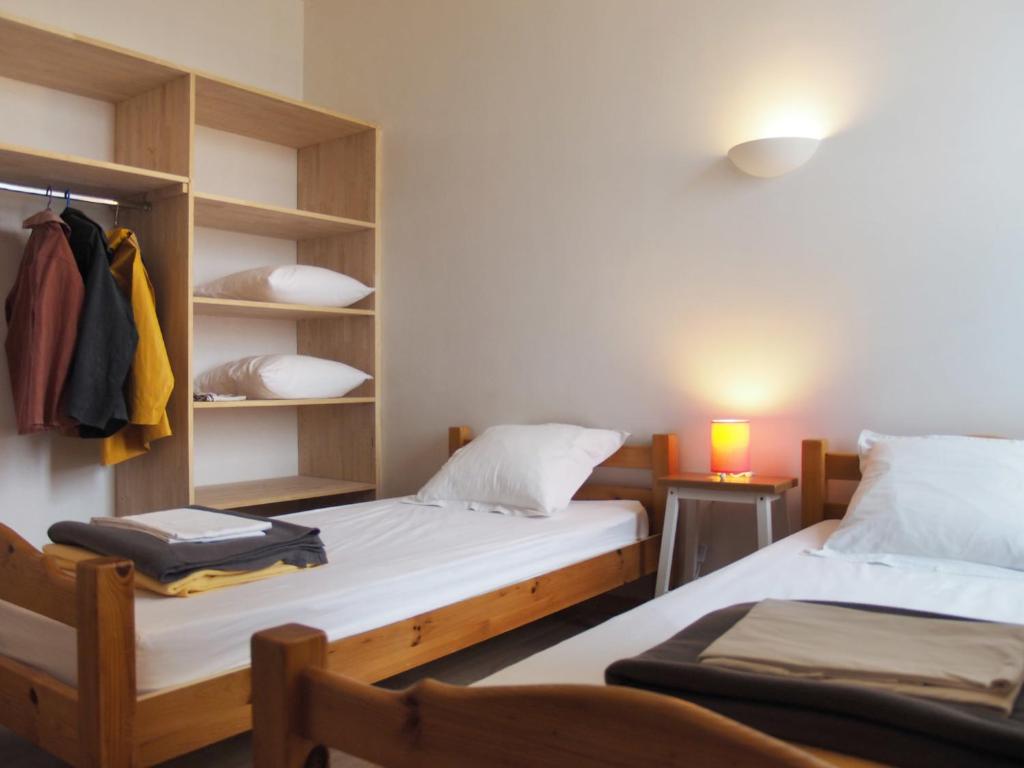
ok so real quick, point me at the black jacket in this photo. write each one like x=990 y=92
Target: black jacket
x=106 y=336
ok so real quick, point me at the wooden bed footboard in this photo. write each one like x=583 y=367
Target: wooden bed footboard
x=91 y=726
x=300 y=708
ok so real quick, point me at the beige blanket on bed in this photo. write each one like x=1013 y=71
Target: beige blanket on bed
x=963 y=661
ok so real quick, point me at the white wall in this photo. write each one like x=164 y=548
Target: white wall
x=563 y=238
x=44 y=478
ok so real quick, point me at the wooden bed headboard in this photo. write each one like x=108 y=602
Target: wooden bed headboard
x=660 y=456
x=818 y=466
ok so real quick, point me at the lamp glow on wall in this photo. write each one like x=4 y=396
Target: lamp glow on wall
x=730 y=446
x=773 y=156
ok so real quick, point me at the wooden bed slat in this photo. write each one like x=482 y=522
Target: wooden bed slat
x=630 y=457
x=39 y=708
x=842 y=466
x=31 y=580
x=598 y=492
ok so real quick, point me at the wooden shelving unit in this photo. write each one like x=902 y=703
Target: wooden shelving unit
x=219 y=212
x=221 y=404
x=36 y=168
x=275 y=490
x=268 y=310
x=157 y=105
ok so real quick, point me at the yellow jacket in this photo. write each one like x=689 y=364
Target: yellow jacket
x=151 y=379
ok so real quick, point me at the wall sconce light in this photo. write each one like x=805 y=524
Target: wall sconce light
x=773 y=156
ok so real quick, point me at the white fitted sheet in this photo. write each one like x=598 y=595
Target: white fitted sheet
x=388 y=560
x=783 y=570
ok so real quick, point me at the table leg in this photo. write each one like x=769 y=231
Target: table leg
x=764 y=521
x=668 y=543
x=691 y=539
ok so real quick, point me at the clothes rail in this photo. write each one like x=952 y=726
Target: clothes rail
x=68 y=195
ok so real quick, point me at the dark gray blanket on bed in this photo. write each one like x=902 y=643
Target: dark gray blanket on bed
x=292 y=544
x=892 y=728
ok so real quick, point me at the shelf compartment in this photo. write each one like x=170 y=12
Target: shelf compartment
x=30 y=167
x=218 y=212
x=235 y=108
x=217 y=404
x=75 y=64
x=275 y=490
x=266 y=310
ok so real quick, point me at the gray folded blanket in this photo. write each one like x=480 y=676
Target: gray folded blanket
x=285 y=542
x=892 y=728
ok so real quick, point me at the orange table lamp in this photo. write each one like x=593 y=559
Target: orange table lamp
x=730 y=446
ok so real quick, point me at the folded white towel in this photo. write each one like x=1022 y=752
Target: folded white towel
x=194 y=526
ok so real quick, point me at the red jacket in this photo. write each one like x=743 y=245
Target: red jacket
x=42 y=311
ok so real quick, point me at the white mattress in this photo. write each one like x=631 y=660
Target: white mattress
x=388 y=560
x=782 y=570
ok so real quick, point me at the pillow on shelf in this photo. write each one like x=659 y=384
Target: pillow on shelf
x=526 y=470
x=948 y=503
x=281 y=377
x=292 y=284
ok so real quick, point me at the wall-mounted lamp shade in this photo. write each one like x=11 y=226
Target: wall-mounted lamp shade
x=773 y=157
x=730 y=446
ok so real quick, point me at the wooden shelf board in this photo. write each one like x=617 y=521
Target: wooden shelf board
x=34 y=53
x=236 y=108
x=274 y=490
x=203 y=305
x=220 y=404
x=235 y=215
x=21 y=165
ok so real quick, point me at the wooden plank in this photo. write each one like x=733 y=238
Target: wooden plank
x=34 y=53
x=340 y=177
x=176 y=721
x=406 y=644
x=531 y=726
x=31 y=580
x=279 y=659
x=842 y=466
x=234 y=215
x=247 y=111
x=154 y=129
x=39 y=708
x=275 y=489
x=162 y=479
x=458 y=437
x=747 y=483
x=235 y=404
x=339 y=443
x=834 y=510
x=106 y=663
x=36 y=168
x=268 y=310
x=602 y=492
x=630 y=457
x=815 y=483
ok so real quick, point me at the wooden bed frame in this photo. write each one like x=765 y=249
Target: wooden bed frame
x=301 y=706
x=104 y=723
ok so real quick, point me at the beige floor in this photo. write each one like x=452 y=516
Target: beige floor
x=461 y=668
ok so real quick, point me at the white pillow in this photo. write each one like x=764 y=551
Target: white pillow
x=281 y=377
x=944 y=502
x=531 y=470
x=293 y=284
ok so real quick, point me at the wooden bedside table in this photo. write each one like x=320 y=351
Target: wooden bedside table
x=760 y=490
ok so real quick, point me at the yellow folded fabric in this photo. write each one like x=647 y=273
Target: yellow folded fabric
x=193 y=584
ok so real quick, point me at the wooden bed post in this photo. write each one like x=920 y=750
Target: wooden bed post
x=664 y=461
x=813 y=482
x=106 y=663
x=458 y=437
x=279 y=657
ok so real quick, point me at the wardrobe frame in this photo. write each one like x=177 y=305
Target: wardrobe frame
x=104 y=723
x=157 y=106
